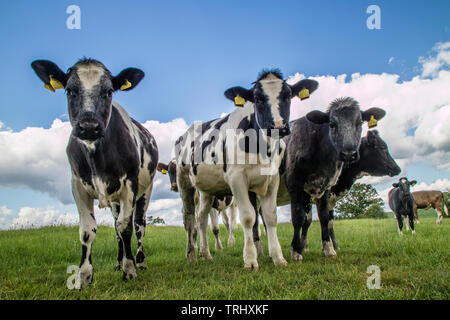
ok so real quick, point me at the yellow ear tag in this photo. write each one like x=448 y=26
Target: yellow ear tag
x=49 y=87
x=239 y=101
x=372 y=122
x=55 y=83
x=164 y=171
x=126 y=85
x=303 y=94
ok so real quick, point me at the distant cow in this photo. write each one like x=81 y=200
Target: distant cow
x=427 y=199
x=375 y=160
x=317 y=149
x=223 y=206
x=206 y=157
x=113 y=158
x=401 y=202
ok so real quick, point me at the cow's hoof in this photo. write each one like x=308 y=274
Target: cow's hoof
x=129 y=270
x=400 y=233
x=118 y=266
x=417 y=221
x=305 y=245
x=328 y=249
x=252 y=265
x=413 y=232
x=218 y=247
x=231 y=241
x=85 y=277
x=259 y=249
x=295 y=256
x=142 y=265
x=206 y=255
x=280 y=262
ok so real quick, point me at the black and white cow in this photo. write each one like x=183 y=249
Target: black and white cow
x=112 y=157
x=316 y=151
x=375 y=160
x=237 y=154
x=401 y=202
x=223 y=206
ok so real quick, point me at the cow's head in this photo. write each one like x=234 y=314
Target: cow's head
x=171 y=169
x=345 y=125
x=89 y=87
x=271 y=97
x=375 y=156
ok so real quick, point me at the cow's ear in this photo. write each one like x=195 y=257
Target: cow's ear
x=239 y=95
x=395 y=185
x=377 y=113
x=304 y=88
x=372 y=136
x=413 y=183
x=52 y=76
x=127 y=79
x=318 y=117
x=162 y=167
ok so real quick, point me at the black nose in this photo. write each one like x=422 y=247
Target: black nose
x=349 y=156
x=282 y=131
x=89 y=129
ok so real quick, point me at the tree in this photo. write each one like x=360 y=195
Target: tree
x=153 y=221
x=360 y=197
x=375 y=211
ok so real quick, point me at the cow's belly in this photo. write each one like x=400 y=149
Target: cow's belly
x=99 y=190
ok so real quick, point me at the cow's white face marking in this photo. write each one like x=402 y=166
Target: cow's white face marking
x=272 y=86
x=90 y=75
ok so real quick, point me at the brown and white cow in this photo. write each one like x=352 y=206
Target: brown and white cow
x=427 y=199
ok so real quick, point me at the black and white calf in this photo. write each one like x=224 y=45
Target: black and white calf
x=375 y=160
x=237 y=154
x=113 y=158
x=401 y=202
x=317 y=149
x=223 y=206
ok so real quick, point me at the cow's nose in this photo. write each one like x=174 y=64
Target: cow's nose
x=283 y=130
x=89 y=127
x=349 y=156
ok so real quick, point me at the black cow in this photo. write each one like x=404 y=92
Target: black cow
x=375 y=160
x=401 y=202
x=113 y=158
x=316 y=151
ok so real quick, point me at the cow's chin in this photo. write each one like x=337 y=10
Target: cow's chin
x=89 y=138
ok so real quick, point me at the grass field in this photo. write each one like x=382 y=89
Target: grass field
x=34 y=263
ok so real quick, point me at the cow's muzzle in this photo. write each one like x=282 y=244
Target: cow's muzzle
x=89 y=130
x=283 y=130
x=349 y=156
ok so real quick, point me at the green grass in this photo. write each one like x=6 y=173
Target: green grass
x=33 y=265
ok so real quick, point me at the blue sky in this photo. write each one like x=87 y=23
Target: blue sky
x=192 y=51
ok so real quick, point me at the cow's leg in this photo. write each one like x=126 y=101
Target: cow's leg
x=416 y=214
x=139 y=227
x=269 y=212
x=324 y=217
x=255 y=229
x=439 y=215
x=204 y=208
x=406 y=222
x=305 y=228
x=247 y=217
x=331 y=229
x=124 y=228
x=298 y=216
x=187 y=193
x=115 y=209
x=411 y=222
x=87 y=231
x=214 y=214
x=229 y=220
x=399 y=223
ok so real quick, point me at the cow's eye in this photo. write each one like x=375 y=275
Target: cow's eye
x=108 y=94
x=71 y=93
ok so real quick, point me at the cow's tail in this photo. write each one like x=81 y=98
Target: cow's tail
x=444 y=204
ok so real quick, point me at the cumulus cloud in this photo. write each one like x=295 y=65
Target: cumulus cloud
x=433 y=64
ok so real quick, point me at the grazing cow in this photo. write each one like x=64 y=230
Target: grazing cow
x=401 y=202
x=223 y=206
x=375 y=160
x=427 y=199
x=317 y=149
x=238 y=153
x=112 y=157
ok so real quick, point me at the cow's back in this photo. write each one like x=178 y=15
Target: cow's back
x=424 y=199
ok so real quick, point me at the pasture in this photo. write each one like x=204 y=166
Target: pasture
x=34 y=265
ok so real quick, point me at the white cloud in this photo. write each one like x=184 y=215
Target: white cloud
x=391 y=59
x=432 y=65
x=4 y=210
